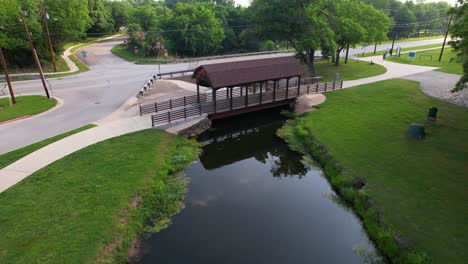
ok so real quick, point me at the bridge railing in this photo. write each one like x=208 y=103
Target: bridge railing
x=224 y=103
x=186 y=101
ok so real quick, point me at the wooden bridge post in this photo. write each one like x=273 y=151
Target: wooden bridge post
x=334 y=85
x=246 y=95
x=274 y=91
x=241 y=90
x=261 y=88
x=316 y=90
x=169 y=117
x=170 y=104
x=299 y=87
x=287 y=87
x=214 y=100
x=198 y=93
x=326 y=87
x=227 y=92
x=341 y=84
x=156 y=106
x=185 y=102
x=231 y=98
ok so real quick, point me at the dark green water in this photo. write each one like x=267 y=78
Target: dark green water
x=252 y=200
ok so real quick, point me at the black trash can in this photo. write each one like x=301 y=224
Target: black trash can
x=432 y=113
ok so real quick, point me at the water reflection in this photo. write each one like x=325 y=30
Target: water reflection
x=252 y=200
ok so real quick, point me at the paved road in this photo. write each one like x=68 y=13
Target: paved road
x=95 y=94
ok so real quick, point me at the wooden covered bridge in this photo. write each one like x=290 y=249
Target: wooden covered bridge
x=237 y=88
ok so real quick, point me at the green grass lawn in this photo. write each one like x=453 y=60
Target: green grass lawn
x=25 y=105
x=370 y=54
x=123 y=53
x=12 y=156
x=82 y=208
x=431 y=58
x=420 y=187
x=353 y=70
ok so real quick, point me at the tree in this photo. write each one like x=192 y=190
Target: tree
x=301 y=22
x=356 y=22
x=459 y=41
x=100 y=16
x=120 y=12
x=193 y=29
x=68 y=20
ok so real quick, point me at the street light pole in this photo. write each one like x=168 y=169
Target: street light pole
x=445 y=39
x=7 y=77
x=36 y=59
x=46 y=25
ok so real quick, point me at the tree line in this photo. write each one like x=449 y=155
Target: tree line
x=209 y=27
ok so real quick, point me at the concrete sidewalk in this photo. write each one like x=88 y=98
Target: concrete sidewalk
x=394 y=70
x=39 y=159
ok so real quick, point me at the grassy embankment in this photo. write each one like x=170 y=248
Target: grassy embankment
x=415 y=198
x=91 y=205
x=381 y=52
x=25 y=106
x=12 y=156
x=431 y=58
x=353 y=70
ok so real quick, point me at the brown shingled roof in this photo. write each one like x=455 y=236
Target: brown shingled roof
x=243 y=72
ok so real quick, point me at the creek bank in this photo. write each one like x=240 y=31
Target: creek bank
x=351 y=189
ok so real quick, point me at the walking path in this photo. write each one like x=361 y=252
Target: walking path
x=120 y=124
x=65 y=56
x=394 y=70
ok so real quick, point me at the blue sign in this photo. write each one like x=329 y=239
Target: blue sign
x=412 y=55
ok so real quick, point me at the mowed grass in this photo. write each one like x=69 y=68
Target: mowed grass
x=25 y=106
x=123 y=53
x=420 y=187
x=353 y=70
x=431 y=58
x=12 y=156
x=81 y=209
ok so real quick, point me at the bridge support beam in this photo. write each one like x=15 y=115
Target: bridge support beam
x=261 y=88
x=230 y=101
x=246 y=95
x=299 y=87
x=274 y=91
x=214 y=100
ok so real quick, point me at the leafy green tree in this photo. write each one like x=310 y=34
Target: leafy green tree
x=193 y=29
x=68 y=20
x=356 y=22
x=301 y=22
x=460 y=42
x=120 y=12
x=100 y=16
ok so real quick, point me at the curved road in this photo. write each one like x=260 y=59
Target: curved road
x=93 y=95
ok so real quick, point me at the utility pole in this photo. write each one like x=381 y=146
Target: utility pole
x=46 y=25
x=36 y=59
x=445 y=39
x=7 y=77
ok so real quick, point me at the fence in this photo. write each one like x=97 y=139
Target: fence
x=226 y=103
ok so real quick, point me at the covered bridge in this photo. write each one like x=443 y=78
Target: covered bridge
x=248 y=73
